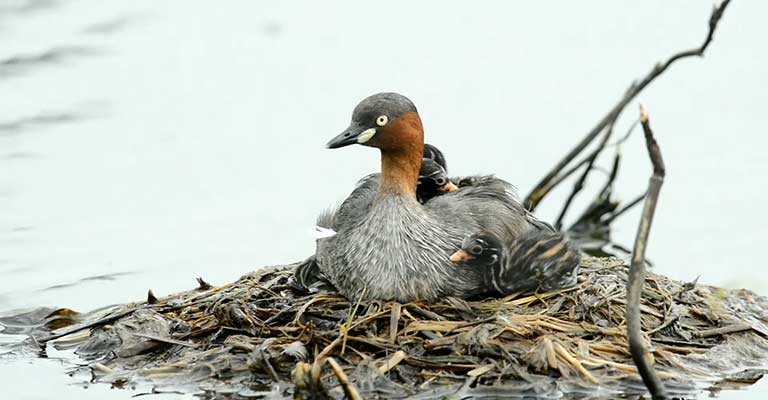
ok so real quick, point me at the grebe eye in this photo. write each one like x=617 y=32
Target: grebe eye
x=382 y=120
x=440 y=181
x=476 y=249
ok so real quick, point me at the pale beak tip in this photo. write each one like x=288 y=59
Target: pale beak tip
x=459 y=256
x=449 y=187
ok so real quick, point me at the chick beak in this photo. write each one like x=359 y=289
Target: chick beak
x=448 y=188
x=461 y=256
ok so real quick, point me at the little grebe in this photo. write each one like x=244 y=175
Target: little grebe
x=393 y=247
x=433 y=181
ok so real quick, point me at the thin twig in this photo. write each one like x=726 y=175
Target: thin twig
x=102 y=368
x=151 y=298
x=394 y=320
x=202 y=284
x=624 y=209
x=550 y=350
x=602 y=203
x=579 y=185
x=166 y=340
x=605 y=192
x=346 y=327
x=542 y=188
x=739 y=327
x=637 y=268
x=320 y=359
x=565 y=175
x=349 y=390
x=268 y=366
x=575 y=363
x=392 y=362
x=626 y=135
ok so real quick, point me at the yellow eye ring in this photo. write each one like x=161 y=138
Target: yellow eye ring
x=382 y=120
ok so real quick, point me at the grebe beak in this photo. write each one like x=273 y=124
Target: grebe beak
x=354 y=134
x=448 y=188
x=461 y=256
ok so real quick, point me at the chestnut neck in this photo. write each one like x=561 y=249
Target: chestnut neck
x=402 y=149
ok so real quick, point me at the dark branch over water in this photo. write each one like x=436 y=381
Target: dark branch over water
x=553 y=177
x=637 y=268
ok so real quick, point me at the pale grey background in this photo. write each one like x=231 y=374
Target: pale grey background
x=193 y=139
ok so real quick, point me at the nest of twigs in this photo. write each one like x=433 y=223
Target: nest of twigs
x=260 y=337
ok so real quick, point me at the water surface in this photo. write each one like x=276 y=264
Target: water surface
x=143 y=144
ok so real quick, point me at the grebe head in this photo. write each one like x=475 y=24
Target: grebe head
x=479 y=249
x=388 y=121
x=433 y=180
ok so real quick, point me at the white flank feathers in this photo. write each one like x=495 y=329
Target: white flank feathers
x=318 y=232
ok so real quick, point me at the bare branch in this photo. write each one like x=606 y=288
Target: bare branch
x=626 y=135
x=624 y=209
x=637 y=268
x=579 y=185
x=544 y=186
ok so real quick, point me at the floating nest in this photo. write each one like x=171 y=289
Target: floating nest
x=259 y=337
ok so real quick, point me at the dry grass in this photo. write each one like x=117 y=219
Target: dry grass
x=259 y=336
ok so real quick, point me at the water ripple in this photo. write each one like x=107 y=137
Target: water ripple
x=111 y=26
x=25 y=123
x=102 y=277
x=18 y=64
x=28 y=6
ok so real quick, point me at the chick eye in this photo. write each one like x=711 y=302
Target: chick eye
x=440 y=181
x=476 y=249
x=382 y=120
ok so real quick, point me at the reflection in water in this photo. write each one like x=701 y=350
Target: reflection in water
x=26 y=6
x=111 y=26
x=178 y=180
x=19 y=64
x=26 y=322
x=18 y=155
x=103 y=277
x=23 y=124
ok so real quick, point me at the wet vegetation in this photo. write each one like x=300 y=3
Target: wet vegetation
x=260 y=336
